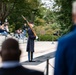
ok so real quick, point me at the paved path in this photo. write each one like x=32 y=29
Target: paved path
x=43 y=51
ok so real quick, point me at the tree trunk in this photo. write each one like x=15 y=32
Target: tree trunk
x=2 y=21
x=5 y=10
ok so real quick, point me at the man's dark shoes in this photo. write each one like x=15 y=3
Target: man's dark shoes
x=32 y=61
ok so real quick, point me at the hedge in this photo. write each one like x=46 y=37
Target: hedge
x=48 y=38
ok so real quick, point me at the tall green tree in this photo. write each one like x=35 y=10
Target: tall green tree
x=64 y=14
x=13 y=9
x=6 y=6
x=28 y=8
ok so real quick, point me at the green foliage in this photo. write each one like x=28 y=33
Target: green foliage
x=55 y=26
x=39 y=21
x=12 y=28
x=45 y=20
x=64 y=14
x=23 y=7
x=48 y=38
x=45 y=33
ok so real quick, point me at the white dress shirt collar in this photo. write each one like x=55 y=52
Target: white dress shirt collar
x=10 y=64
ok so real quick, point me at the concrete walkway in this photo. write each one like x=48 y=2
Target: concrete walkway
x=43 y=51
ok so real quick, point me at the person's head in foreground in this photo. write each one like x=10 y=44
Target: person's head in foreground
x=65 y=57
x=10 y=50
x=10 y=54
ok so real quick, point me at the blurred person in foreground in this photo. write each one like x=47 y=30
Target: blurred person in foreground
x=65 y=59
x=10 y=53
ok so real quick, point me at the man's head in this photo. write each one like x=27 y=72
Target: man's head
x=74 y=12
x=32 y=25
x=10 y=50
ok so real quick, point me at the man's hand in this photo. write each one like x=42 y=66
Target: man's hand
x=36 y=37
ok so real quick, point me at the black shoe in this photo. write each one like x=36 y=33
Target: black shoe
x=32 y=61
x=29 y=60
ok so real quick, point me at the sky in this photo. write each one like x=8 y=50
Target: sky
x=48 y=3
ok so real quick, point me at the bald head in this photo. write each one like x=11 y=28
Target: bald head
x=10 y=50
x=10 y=44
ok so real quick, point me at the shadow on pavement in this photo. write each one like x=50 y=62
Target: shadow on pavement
x=40 y=59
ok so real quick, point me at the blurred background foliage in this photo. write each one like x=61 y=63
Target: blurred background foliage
x=49 y=22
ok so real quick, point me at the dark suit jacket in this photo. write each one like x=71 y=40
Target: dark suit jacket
x=30 y=42
x=65 y=59
x=19 y=70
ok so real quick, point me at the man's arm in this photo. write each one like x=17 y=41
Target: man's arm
x=60 y=68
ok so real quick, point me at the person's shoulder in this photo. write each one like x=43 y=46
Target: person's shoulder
x=1 y=71
x=35 y=72
x=31 y=71
x=68 y=37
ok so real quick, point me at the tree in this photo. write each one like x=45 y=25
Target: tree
x=13 y=9
x=64 y=14
x=6 y=6
x=27 y=8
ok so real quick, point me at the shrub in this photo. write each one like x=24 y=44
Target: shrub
x=48 y=38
